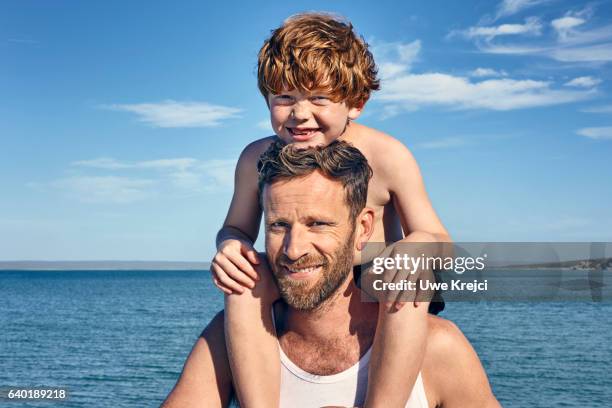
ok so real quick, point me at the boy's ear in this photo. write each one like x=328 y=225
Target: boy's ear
x=355 y=112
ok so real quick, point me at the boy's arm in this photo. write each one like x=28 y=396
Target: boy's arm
x=397 y=355
x=252 y=344
x=244 y=214
x=232 y=265
x=401 y=335
x=250 y=339
x=411 y=201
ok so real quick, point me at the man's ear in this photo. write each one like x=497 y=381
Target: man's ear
x=364 y=227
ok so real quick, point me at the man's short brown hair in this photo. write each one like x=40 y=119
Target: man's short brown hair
x=314 y=52
x=339 y=161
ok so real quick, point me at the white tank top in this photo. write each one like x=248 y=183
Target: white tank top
x=348 y=388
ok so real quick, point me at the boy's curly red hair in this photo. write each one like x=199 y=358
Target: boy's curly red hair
x=317 y=51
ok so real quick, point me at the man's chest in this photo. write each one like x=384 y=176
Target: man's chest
x=323 y=357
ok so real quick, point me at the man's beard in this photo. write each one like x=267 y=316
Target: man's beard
x=303 y=294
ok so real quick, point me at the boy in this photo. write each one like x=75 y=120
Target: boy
x=316 y=76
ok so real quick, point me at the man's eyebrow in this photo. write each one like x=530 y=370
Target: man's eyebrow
x=320 y=217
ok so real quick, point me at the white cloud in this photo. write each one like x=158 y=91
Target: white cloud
x=572 y=43
x=598 y=133
x=445 y=143
x=584 y=82
x=264 y=125
x=487 y=72
x=112 y=164
x=106 y=189
x=101 y=163
x=460 y=93
x=594 y=53
x=404 y=91
x=180 y=163
x=598 y=109
x=173 y=114
x=388 y=70
x=564 y=25
x=395 y=58
x=573 y=39
x=532 y=26
x=219 y=172
x=408 y=53
x=184 y=173
x=510 y=7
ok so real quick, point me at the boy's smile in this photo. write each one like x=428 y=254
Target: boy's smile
x=309 y=119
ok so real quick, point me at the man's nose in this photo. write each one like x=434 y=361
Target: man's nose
x=296 y=244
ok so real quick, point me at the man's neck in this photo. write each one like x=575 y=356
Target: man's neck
x=342 y=316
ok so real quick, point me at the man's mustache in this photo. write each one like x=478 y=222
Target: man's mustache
x=306 y=261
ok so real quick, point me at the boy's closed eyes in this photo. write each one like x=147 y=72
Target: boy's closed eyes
x=286 y=100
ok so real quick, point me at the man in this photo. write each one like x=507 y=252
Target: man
x=316 y=221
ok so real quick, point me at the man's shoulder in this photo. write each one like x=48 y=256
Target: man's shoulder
x=451 y=368
x=443 y=336
x=447 y=350
x=216 y=327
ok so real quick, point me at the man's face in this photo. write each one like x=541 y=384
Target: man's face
x=309 y=238
x=308 y=119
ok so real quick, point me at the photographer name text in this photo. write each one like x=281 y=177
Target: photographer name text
x=425 y=285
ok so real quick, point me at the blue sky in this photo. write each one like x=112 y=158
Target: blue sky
x=120 y=122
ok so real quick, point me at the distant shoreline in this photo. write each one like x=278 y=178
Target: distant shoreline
x=102 y=266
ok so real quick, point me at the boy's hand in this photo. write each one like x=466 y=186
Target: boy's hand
x=232 y=266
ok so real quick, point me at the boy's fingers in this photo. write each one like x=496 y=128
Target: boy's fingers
x=224 y=288
x=244 y=267
x=236 y=274
x=232 y=285
x=227 y=281
x=251 y=255
x=221 y=287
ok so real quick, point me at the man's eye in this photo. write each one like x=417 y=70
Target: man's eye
x=318 y=224
x=277 y=225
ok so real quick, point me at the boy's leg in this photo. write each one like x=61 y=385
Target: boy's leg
x=437 y=302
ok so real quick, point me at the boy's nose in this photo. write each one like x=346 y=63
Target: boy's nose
x=300 y=112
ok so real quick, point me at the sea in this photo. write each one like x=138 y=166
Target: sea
x=120 y=338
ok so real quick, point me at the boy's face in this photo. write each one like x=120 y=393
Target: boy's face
x=309 y=119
